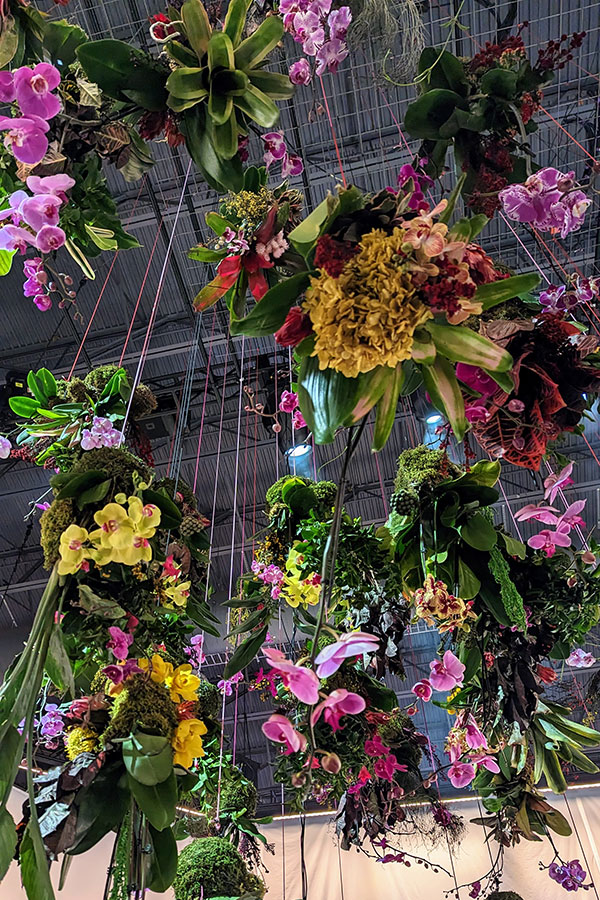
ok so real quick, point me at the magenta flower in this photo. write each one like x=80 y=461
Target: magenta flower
x=571 y=518
x=548 y=541
x=5 y=447
x=288 y=401
x=339 y=703
x=330 y=55
x=461 y=774
x=7 y=87
x=36 y=276
x=291 y=165
x=14 y=238
x=349 y=645
x=473 y=736
x=339 y=22
x=446 y=674
x=274 y=147
x=488 y=762
x=300 y=72
x=40 y=210
x=476 y=412
x=586 y=289
x=579 y=659
x=556 y=481
x=50 y=238
x=546 y=200
x=43 y=302
x=278 y=728
x=302 y=682
x=119 y=642
x=298 y=420
x=476 y=379
x=545 y=514
x=225 y=685
x=320 y=7
x=422 y=690
x=569 y=875
x=26 y=138
x=114 y=673
x=51 y=184
x=385 y=768
x=376 y=747
x=33 y=89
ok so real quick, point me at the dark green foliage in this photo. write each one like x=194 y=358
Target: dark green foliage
x=209 y=700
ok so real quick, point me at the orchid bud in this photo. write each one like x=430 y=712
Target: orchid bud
x=331 y=763
x=298 y=779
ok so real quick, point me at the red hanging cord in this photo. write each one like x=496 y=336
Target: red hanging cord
x=333 y=134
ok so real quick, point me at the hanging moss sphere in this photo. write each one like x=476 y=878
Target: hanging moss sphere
x=423 y=468
x=504 y=895
x=210 y=700
x=237 y=793
x=212 y=867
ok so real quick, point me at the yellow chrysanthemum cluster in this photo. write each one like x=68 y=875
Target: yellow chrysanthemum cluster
x=123 y=536
x=296 y=588
x=182 y=685
x=367 y=316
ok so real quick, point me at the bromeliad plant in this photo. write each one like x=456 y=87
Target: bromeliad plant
x=376 y=307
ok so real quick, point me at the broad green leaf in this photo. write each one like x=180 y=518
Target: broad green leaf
x=9 y=42
x=269 y=313
x=36 y=386
x=485 y=472
x=386 y=409
x=429 y=111
x=221 y=174
x=460 y=344
x=48 y=381
x=61 y=40
x=557 y=822
x=26 y=407
x=246 y=652
x=258 y=106
x=186 y=84
x=220 y=51
x=513 y=546
x=235 y=19
x=57 y=663
x=98 y=606
x=504 y=380
x=197 y=26
x=120 y=69
x=148 y=757
x=8 y=840
x=183 y=55
x=156 y=801
x=500 y=291
x=6 y=260
x=79 y=483
x=468 y=582
x=206 y=254
x=11 y=753
x=423 y=349
x=445 y=70
x=257 y=618
x=35 y=873
x=170 y=514
x=259 y=44
x=443 y=388
x=274 y=85
x=220 y=108
x=318 y=222
x=446 y=214
x=226 y=135
x=327 y=398
x=163 y=861
x=500 y=82
x=479 y=532
x=217 y=223
x=370 y=387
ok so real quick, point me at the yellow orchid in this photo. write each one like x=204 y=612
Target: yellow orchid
x=183 y=684
x=176 y=593
x=160 y=670
x=145 y=517
x=72 y=552
x=296 y=589
x=187 y=742
x=116 y=528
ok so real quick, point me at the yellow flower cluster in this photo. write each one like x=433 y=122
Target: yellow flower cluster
x=123 y=536
x=437 y=606
x=172 y=592
x=367 y=316
x=249 y=206
x=182 y=686
x=80 y=739
x=297 y=590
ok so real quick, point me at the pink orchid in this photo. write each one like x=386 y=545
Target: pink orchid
x=119 y=642
x=385 y=768
x=288 y=401
x=556 y=481
x=298 y=420
x=339 y=21
x=476 y=412
x=51 y=184
x=300 y=72
x=548 y=541
x=50 y=238
x=26 y=138
x=278 y=728
x=291 y=165
x=339 y=703
x=423 y=690
x=376 y=747
x=461 y=774
x=349 y=645
x=274 y=147
x=477 y=379
x=302 y=682
x=42 y=209
x=7 y=87
x=446 y=674
x=330 y=55
x=545 y=514
x=488 y=762
x=579 y=659
x=14 y=238
x=13 y=211
x=33 y=89
x=474 y=737
x=571 y=518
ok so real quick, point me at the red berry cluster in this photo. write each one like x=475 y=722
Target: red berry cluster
x=488 y=182
x=491 y=53
x=555 y=56
x=332 y=255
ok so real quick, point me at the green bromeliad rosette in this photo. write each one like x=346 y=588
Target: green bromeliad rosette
x=376 y=305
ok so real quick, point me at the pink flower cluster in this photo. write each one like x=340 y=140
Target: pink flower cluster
x=225 y=685
x=269 y=575
x=548 y=200
x=32 y=89
x=570 y=875
x=467 y=748
x=194 y=651
x=306 y=21
x=558 y=300
x=101 y=434
x=276 y=151
x=288 y=403
x=386 y=763
x=547 y=540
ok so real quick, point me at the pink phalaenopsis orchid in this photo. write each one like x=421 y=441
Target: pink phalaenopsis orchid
x=278 y=728
x=339 y=703
x=548 y=541
x=33 y=90
x=288 y=401
x=119 y=642
x=556 y=481
x=385 y=768
x=423 y=690
x=349 y=645
x=579 y=659
x=571 y=518
x=474 y=737
x=302 y=682
x=461 y=774
x=446 y=674
x=546 y=514
x=25 y=138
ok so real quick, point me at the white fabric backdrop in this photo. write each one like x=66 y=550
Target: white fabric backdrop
x=364 y=879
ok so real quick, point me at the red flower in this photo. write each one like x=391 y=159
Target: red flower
x=186 y=710
x=296 y=327
x=162 y=26
x=546 y=674
x=332 y=255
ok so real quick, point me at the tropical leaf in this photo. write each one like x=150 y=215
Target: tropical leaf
x=444 y=390
x=500 y=291
x=461 y=344
x=386 y=408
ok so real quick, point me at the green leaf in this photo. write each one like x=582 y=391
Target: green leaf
x=513 y=546
x=257 y=618
x=36 y=386
x=121 y=70
x=327 y=398
x=81 y=259
x=197 y=26
x=504 y=380
x=9 y=42
x=259 y=44
x=78 y=483
x=8 y=840
x=386 y=408
x=220 y=51
x=156 y=801
x=557 y=822
x=206 y=254
x=57 y=663
x=446 y=214
x=443 y=388
x=485 y=472
x=217 y=223
x=94 y=494
x=429 y=112
x=461 y=344
x=468 y=582
x=270 y=312
x=274 y=85
x=186 y=84
x=235 y=19
x=148 y=758
x=11 y=753
x=35 y=874
x=552 y=770
x=98 y=606
x=170 y=514
x=26 y=407
x=423 y=349
x=163 y=862
x=500 y=82
x=6 y=257
x=48 y=381
x=225 y=135
x=318 y=222
x=255 y=104
x=500 y=291
x=62 y=39
x=479 y=532
x=221 y=174
x=245 y=653
x=446 y=70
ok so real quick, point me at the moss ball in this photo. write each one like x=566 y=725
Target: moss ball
x=210 y=700
x=118 y=464
x=180 y=487
x=53 y=521
x=397 y=733
x=324 y=493
x=211 y=867
x=504 y=895
x=142 y=704
x=423 y=468
x=143 y=402
x=237 y=793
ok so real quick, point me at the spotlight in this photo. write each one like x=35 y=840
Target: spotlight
x=433 y=419
x=299 y=460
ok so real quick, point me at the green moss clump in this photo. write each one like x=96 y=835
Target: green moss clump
x=423 y=468
x=144 y=402
x=211 y=866
x=142 y=704
x=324 y=493
x=118 y=464
x=237 y=793
x=209 y=700
x=182 y=487
x=504 y=895
x=53 y=522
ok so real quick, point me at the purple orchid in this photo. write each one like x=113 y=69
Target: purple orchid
x=339 y=21
x=547 y=200
x=7 y=87
x=288 y=401
x=579 y=659
x=291 y=165
x=571 y=518
x=12 y=237
x=51 y=184
x=330 y=55
x=447 y=673
x=300 y=72
x=225 y=685
x=52 y=722
x=50 y=238
x=35 y=275
x=298 y=420
x=119 y=642
x=40 y=210
x=26 y=138
x=33 y=90
x=13 y=211
x=476 y=379
x=43 y=302
x=274 y=147
x=102 y=434
x=5 y=447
